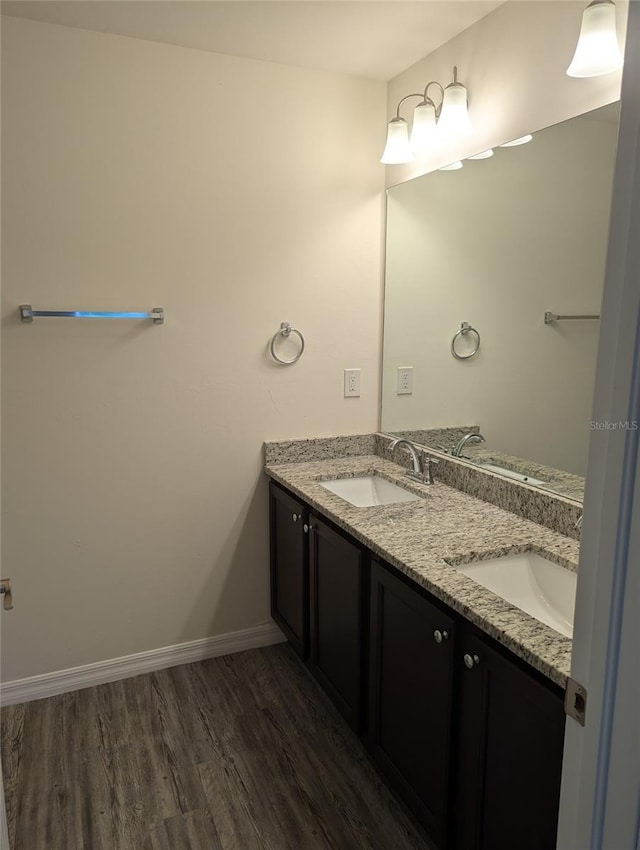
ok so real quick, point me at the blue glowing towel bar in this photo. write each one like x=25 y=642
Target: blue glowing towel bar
x=27 y=314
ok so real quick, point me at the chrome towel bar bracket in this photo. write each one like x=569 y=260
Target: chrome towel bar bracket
x=285 y=331
x=465 y=328
x=27 y=314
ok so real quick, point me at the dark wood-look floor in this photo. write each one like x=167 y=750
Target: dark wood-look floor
x=237 y=753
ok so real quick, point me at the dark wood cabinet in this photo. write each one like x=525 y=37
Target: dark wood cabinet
x=410 y=691
x=468 y=734
x=289 y=567
x=509 y=753
x=337 y=640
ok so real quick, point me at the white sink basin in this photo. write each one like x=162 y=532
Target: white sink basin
x=543 y=589
x=368 y=490
x=517 y=476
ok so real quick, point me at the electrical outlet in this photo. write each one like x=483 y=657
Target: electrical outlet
x=351 y=383
x=405 y=380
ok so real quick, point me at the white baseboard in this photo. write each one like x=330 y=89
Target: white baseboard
x=75 y=678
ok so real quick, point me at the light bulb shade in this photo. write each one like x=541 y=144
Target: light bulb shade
x=397 y=150
x=597 y=52
x=454 y=166
x=424 y=133
x=454 y=118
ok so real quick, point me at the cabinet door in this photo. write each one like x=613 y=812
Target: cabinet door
x=289 y=568
x=337 y=631
x=410 y=686
x=510 y=743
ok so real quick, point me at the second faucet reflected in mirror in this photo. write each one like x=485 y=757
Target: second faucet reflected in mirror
x=468 y=438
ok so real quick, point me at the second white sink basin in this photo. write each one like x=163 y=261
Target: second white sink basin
x=369 y=490
x=543 y=589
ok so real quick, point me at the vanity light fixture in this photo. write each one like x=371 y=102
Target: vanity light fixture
x=447 y=119
x=597 y=52
x=454 y=166
x=521 y=140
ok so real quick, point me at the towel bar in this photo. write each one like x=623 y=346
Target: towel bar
x=27 y=314
x=550 y=318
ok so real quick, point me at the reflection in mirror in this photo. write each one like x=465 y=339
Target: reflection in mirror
x=497 y=245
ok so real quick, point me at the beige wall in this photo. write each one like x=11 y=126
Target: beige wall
x=513 y=63
x=236 y=194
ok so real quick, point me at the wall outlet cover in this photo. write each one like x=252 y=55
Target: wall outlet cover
x=405 y=380
x=351 y=383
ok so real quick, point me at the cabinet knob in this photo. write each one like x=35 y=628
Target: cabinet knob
x=440 y=636
x=471 y=660
x=307 y=528
x=296 y=517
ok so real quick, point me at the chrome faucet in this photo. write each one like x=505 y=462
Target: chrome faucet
x=420 y=469
x=468 y=438
x=415 y=457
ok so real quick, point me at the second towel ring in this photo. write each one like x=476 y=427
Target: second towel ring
x=465 y=328
x=286 y=330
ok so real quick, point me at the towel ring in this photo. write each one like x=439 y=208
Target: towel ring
x=286 y=330
x=465 y=328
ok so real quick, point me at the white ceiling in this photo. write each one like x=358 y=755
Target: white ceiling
x=370 y=38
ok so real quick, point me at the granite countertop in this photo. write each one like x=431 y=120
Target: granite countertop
x=419 y=537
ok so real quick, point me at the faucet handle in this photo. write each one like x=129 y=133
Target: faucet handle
x=427 y=462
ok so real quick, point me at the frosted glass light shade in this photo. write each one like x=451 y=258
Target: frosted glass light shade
x=454 y=166
x=454 y=118
x=424 y=133
x=597 y=52
x=397 y=150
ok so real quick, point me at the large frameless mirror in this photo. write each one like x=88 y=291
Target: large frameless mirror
x=508 y=252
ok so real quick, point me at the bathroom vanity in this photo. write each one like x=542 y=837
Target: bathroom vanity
x=457 y=694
